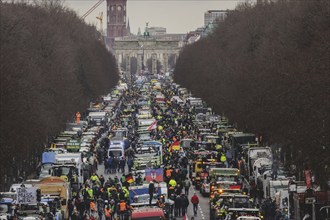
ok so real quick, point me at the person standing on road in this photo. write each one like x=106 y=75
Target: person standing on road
x=102 y=180
x=186 y=184
x=151 y=191
x=122 y=163
x=185 y=204
x=195 y=201
x=178 y=206
x=130 y=164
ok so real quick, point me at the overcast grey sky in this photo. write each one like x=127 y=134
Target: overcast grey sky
x=177 y=16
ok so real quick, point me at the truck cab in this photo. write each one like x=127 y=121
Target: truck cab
x=7 y=207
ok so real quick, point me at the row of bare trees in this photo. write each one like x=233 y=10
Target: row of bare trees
x=52 y=64
x=266 y=67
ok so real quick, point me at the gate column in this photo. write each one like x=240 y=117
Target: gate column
x=154 y=63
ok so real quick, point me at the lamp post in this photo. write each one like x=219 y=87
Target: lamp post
x=146 y=35
x=142 y=59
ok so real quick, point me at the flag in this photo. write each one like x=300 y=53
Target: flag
x=154 y=175
x=175 y=146
x=129 y=178
x=153 y=126
x=238 y=187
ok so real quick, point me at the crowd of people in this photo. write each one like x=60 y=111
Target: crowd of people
x=101 y=198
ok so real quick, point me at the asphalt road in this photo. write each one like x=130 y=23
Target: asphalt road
x=203 y=212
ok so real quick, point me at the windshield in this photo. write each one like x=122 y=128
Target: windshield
x=241 y=203
x=25 y=207
x=115 y=153
x=46 y=166
x=65 y=170
x=227 y=178
x=245 y=139
x=4 y=208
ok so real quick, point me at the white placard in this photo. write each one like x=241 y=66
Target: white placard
x=26 y=195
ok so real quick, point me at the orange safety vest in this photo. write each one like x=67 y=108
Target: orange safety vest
x=168 y=173
x=93 y=206
x=122 y=206
x=107 y=212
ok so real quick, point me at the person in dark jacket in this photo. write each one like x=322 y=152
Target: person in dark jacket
x=178 y=206
x=185 y=204
x=151 y=191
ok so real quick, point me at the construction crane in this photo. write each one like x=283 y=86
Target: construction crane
x=92 y=9
x=100 y=18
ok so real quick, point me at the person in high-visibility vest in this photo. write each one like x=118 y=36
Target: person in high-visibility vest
x=172 y=182
x=78 y=116
x=64 y=177
x=94 y=178
x=223 y=159
x=218 y=147
x=122 y=208
x=107 y=212
x=93 y=205
x=126 y=192
x=168 y=173
x=89 y=192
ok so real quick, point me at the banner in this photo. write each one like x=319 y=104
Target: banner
x=154 y=174
x=152 y=126
x=26 y=195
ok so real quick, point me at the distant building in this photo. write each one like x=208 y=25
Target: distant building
x=266 y=1
x=116 y=21
x=214 y=16
x=154 y=31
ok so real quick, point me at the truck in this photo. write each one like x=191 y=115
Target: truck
x=7 y=205
x=200 y=172
x=257 y=153
x=69 y=166
x=58 y=191
x=271 y=187
x=48 y=159
x=240 y=141
x=139 y=195
x=223 y=180
x=99 y=117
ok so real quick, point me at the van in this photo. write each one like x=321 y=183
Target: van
x=116 y=151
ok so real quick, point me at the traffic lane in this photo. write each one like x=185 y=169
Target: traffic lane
x=203 y=211
x=101 y=171
x=204 y=205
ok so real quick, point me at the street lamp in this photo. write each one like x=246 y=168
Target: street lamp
x=142 y=66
